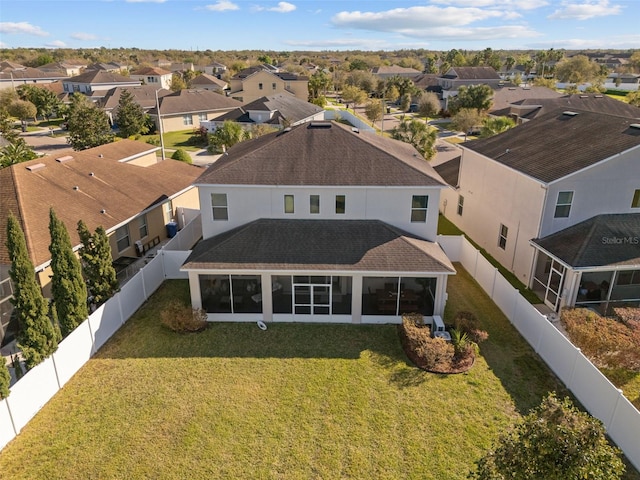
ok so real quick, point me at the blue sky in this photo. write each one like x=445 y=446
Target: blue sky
x=321 y=25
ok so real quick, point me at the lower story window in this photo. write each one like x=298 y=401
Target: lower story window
x=460 y=204
x=122 y=237
x=502 y=237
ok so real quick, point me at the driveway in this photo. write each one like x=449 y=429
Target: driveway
x=45 y=144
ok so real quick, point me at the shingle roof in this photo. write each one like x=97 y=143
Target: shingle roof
x=506 y=96
x=186 y=101
x=122 y=189
x=559 y=143
x=353 y=245
x=472 y=73
x=32 y=73
x=143 y=95
x=151 y=71
x=100 y=76
x=322 y=153
x=603 y=240
x=206 y=79
x=592 y=102
x=450 y=170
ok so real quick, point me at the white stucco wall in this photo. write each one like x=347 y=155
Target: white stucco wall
x=390 y=205
x=607 y=187
x=493 y=195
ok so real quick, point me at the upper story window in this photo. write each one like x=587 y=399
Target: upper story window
x=167 y=211
x=288 y=204
x=219 y=206
x=259 y=86
x=314 y=204
x=152 y=79
x=273 y=86
x=502 y=236
x=142 y=226
x=122 y=237
x=419 y=205
x=341 y=204
x=635 y=203
x=202 y=117
x=563 y=204
x=187 y=120
x=460 y=204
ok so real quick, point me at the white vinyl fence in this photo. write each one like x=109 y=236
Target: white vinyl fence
x=42 y=382
x=598 y=395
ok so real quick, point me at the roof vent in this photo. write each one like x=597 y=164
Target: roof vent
x=319 y=125
x=598 y=96
x=76 y=187
x=584 y=96
x=64 y=159
x=569 y=113
x=100 y=155
x=103 y=211
x=91 y=174
x=355 y=129
x=635 y=125
x=35 y=167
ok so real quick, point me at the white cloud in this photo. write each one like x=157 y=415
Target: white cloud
x=614 y=42
x=21 y=28
x=56 y=44
x=282 y=7
x=222 y=6
x=83 y=36
x=585 y=10
x=517 y=4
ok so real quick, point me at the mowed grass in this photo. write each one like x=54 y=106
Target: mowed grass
x=297 y=401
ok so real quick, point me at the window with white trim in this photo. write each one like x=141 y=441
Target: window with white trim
x=502 y=236
x=122 y=238
x=288 y=204
x=419 y=204
x=341 y=204
x=187 y=120
x=460 y=204
x=167 y=211
x=142 y=226
x=563 y=204
x=202 y=117
x=219 y=206
x=314 y=203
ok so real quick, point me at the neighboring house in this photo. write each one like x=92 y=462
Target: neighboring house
x=216 y=69
x=96 y=83
x=28 y=76
x=111 y=67
x=527 y=109
x=185 y=109
x=255 y=82
x=121 y=186
x=206 y=81
x=143 y=95
x=538 y=181
x=279 y=110
x=319 y=222
x=66 y=69
x=622 y=81
x=7 y=66
x=457 y=77
x=388 y=71
x=514 y=102
x=154 y=76
x=428 y=82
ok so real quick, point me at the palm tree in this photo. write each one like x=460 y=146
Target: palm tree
x=16 y=152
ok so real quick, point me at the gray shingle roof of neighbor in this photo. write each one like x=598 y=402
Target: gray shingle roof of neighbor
x=560 y=143
x=143 y=95
x=185 y=101
x=206 y=79
x=322 y=153
x=472 y=73
x=352 y=245
x=151 y=71
x=506 y=96
x=100 y=76
x=450 y=170
x=603 y=240
x=592 y=102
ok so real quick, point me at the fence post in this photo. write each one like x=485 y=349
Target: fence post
x=615 y=408
x=573 y=369
x=13 y=423
x=144 y=290
x=493 y=283
x=55 y=370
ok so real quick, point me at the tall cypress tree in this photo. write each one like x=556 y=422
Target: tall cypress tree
x=97 y=264
x=36 y=335
x=67 y=285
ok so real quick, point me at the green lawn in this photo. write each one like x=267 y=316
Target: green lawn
x=297 y=401
x=175 y=140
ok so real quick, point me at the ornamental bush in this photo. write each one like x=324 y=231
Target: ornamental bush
x=182 y=155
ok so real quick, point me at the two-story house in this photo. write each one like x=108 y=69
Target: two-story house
x=255 y=82
x=319 y=222
x=96 y=83
x=154 y=76
x=122 y=186
x=539 y=199
x=456 y=77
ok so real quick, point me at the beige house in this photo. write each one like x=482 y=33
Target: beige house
x=153 y=76
x=255 y=82
x=96 y=83
x=208 y=82
x=121 y=186
x=185 y=109
x=13 y=78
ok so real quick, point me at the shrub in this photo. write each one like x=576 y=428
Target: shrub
x=467 y=322
x=182 y=318
x=607 y=342
x=182 y=155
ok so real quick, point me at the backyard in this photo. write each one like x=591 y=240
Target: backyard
x=294 y=401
